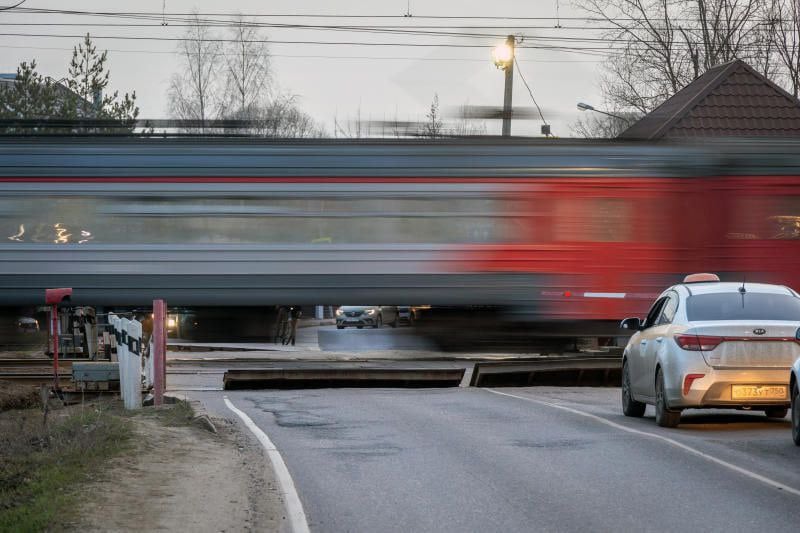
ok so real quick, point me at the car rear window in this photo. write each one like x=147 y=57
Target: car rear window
x=748 y=306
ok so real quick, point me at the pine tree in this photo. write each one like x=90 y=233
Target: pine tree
x=33 y=96
x=88 y=78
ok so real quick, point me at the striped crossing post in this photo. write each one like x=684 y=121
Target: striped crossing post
x=133 y=363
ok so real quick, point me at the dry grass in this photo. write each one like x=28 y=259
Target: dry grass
x=39 y=464
x=179 y=413
x=16 y=396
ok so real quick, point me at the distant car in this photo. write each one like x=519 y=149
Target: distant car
x=708 y=344
x=794 y=394
x=373 y=316
x=27 y=325
x=405 y=314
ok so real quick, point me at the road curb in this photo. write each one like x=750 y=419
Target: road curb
x=202 y=417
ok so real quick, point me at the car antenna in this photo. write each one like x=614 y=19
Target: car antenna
x=742 y=290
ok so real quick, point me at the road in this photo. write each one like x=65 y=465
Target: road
x=467 y=459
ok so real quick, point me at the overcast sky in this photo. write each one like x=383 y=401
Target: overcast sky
x=334 y=80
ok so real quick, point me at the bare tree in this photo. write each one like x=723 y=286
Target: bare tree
x=785 y=31
x=665 y=44
x=194 y=92
x=248 y=77
x=281 y=118
x=433 y=127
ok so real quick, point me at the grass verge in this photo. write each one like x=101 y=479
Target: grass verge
x=179 y=413
x=15 y=396
x=40 y=465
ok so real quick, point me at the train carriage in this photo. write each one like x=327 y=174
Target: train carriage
x=565 y=230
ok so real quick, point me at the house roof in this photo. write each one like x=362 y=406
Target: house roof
x=729 y=100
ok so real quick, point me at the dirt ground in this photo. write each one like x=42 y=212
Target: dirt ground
x=184 y=478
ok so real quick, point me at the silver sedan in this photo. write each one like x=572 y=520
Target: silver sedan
x=794 y=391
x=708 y=344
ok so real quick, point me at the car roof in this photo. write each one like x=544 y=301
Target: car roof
x=714 y=287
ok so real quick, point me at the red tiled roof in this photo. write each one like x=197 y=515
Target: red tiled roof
x=729 y=100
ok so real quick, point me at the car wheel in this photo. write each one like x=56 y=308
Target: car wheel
x=378 y=322
x=630 y=407
x=776 y=412
x=339 y=327
x=359 y=327
x=665 y=417
x=394 y=322
x=796 y=415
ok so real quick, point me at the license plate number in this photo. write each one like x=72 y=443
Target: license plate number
x=758 y=392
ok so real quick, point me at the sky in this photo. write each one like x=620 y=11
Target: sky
x=333 y=82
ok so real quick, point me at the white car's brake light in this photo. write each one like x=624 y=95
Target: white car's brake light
x=697 y=343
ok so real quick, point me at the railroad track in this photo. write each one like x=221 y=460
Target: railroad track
x=18 y=362
x=38 y=371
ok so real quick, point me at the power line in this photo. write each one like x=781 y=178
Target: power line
x=45 y=11
x=313 y=56
x=178 y=17
x=12 y=7
x=529 y=89
x=587 y=50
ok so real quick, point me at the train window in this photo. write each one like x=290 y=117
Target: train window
x=765 y=217
x=348 y=219
x=593 y=219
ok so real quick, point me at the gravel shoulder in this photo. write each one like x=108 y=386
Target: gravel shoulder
x=184 y=478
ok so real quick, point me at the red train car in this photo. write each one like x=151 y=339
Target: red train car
x=605 y=247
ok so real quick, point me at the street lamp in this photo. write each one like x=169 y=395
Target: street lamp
x=503 y=55
x=586 y=107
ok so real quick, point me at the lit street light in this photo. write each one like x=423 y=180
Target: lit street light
x=503 y=55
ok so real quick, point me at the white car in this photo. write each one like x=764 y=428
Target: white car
x=794 y=391
x=708 y=344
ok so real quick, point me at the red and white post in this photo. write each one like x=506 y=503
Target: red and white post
x=54 y=326
x=159 y=350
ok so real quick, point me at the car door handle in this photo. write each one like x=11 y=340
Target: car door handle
x=659 y=339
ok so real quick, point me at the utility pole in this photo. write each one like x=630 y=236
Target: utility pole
x=504 y=60
x=509 y=71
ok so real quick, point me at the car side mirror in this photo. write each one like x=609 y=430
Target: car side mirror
x=633 y=324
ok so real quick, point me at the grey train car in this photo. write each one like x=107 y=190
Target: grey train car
x=252 y=222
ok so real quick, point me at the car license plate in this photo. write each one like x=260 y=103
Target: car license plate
x=758 y=392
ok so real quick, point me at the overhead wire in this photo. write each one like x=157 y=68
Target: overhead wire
x=8 y=8
x=555 y=47
x=312 y=56
x=530 y=92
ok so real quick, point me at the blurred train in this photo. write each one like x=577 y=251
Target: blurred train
x=568 y=231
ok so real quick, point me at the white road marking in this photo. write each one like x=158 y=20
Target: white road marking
x=673 y=442
x=294 y=507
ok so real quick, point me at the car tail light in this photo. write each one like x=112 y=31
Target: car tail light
x=688 y=380
x=698 y=343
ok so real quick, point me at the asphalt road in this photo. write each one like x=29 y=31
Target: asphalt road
x=470 y=460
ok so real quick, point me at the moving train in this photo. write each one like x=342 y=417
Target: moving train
x=558 y=230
